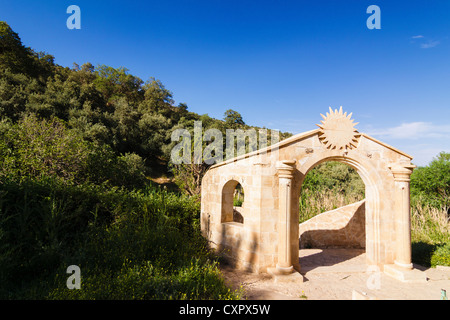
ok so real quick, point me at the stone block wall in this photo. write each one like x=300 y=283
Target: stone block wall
x=342 y=227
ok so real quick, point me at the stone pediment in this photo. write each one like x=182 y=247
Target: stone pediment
x=336 y=132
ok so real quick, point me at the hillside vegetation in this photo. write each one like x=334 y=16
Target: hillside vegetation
x=78 y=149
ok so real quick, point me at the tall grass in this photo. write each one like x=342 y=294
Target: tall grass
x=140 y=244
x=430 y=234
x=429 y=224
x=314 y=202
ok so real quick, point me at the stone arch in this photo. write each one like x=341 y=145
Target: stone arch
x=372 y=211
x=228 y=211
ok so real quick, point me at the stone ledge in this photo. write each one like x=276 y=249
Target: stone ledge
x=405 y=275
x=443 y=268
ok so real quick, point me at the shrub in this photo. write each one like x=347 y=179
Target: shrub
x=441 y=256
x=39 y=149
x=431 y=184
x=35 y=149
x=39 y=223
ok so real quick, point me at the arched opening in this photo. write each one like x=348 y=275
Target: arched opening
x=328 y=186
x=233 y=197
x=332 y=215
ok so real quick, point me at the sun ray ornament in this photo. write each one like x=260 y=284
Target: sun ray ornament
x=338 y=131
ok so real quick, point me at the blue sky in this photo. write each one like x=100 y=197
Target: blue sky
x=279 y=63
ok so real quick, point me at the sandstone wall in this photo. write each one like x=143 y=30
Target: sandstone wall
x=342 y=227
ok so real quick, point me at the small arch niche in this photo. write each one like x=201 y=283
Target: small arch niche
x=233 y=202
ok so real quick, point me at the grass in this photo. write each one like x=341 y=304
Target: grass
x=429 y=224
x=140 y=244
x=430 y=234
x=314 y=202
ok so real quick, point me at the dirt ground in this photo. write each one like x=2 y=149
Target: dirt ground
x=334 y=274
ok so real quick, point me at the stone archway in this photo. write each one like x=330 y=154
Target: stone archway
x=372 y=199
x=332 y=214
x=272 y=178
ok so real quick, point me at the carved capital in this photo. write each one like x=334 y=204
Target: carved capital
x=285 y=169
x=402 y=172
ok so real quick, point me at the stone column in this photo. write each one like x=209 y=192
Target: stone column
x=402 y=175
x=285 y=172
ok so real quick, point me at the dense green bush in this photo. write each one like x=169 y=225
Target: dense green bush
x=38 y=149
x=198 y=280
x=336 y=176
x=39 y=221
x=431 y=184
x=431 y=255
x=441 y=256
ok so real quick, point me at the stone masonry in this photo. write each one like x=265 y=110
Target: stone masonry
x=268 y=238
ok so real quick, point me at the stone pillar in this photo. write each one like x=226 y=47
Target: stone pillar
x=285 y=172
x=402 y=175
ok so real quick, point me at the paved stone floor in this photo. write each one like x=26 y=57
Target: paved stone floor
x=335 y=274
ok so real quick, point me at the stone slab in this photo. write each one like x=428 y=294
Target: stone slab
x=404 y=275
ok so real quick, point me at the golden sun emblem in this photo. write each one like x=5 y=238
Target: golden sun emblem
x=338 y=130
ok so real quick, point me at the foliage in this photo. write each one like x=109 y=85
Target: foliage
x=128 y=244
x=429 y=224
x=35 y=148
x=328 y=186
x=189 y=176
x=333 y=175
x=431 y=184
x=233 y=119
x=76 y=146
x=315 y=202
x=40 y=149
x=20 y=59
x=441 y=256
x=104 y=105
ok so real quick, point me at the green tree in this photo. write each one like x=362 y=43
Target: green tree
x=336 y=176
x=157 y=98
x=233 y=119
x=13 y=54
x=432 y=183
x=116 y=83
x=20 y=59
